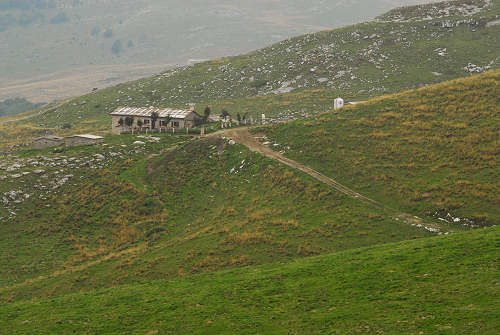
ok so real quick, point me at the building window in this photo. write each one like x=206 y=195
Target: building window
x=146 y=122
x=175 y=124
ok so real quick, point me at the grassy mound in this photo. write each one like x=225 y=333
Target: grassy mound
x=203 y=207
x=433 y=151
x=441 y=285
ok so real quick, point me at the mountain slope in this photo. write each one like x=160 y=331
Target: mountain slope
x=140 y=216
x=132 y=235
x=207 y=205
x=44 y=42
x=441 y=285
x=355 y=62
x=433 y=152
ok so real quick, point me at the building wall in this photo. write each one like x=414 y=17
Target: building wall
x=73 y=141
x=191 y=119
x=116 y=129
x=46 y=143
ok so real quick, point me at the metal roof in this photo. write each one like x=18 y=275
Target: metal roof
x=146 y=112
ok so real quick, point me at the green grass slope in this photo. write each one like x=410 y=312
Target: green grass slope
x=404 y=49
x=205 y=206
x=441 y=285
x=433 y=152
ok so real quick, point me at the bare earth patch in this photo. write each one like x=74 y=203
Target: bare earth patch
x=74 y=82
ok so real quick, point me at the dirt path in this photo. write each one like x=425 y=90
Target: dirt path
x=243 y=136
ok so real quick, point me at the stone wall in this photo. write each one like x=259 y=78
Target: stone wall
x=43 y=143
x=77 y=140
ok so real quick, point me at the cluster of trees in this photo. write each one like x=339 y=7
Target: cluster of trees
x=29 y=17
x=117 y=46
x=60 y=18
x=27 y=4
x=27 y=12
x=32 y=4
x=16 y=106
x=108 y=33
x=23 y=19
x=242 y=118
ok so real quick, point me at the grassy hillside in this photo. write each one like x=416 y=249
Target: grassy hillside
x=433 y=152
x=138 y=217
x=366 y=60
x=441 y=285
x=174 y=233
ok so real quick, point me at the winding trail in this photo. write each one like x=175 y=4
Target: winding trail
x=244 y=137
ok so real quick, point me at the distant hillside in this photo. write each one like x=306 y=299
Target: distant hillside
x=442 y=285
x=55 y=49
x=16 y=106
x=434 y=151
x=357 y=62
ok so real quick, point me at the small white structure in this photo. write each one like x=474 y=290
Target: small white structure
x=338 y=103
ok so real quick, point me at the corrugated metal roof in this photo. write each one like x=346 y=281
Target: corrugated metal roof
x=146 y=112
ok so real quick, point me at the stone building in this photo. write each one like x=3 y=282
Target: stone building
x=126 y=119
x=48 y=141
